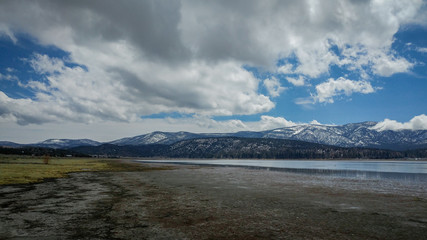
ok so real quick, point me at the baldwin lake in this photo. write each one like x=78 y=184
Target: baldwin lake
x=361 y=169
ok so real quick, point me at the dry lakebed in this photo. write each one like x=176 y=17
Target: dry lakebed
x=207 y=202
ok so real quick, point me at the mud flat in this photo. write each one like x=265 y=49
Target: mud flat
x=195 y=202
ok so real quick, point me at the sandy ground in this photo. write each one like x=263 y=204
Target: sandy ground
x=190 y=202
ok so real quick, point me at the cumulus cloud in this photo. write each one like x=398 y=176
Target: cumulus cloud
x=259 y=33
x=264 y=123
x=416 y=123
x=300 y=81
x=273 y=86
x=269 y=122
x=326 y=91
x=147 y=57
x=286 y=69
x=422 y=49
x=381 y=61
x=384 y=65
x=75 y=94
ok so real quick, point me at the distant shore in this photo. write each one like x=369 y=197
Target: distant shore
x=179 y=160
x=195 y=202
x=273 y=159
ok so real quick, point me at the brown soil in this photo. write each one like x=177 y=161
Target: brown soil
x=212 y=203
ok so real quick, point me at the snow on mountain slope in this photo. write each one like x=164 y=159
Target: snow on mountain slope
x=156 y=138
x=350 y=135
x=66 y=143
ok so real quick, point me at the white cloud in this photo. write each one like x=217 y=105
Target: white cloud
x=388 y=65
x=8 y=77
x=421 y=49
x=307 y=102
x=315 y=122
x=374 y=61
x=234 y=125
x=326 y=91
x=146 y=57
x=43 y=64
x=260 y=33
x=269 y=122
x=4 y=30
x=300 y=81
x=74 y=94
x=211 y=125
x=316 y=59
x=416 y=123
x=273 y=86
x=286 y=69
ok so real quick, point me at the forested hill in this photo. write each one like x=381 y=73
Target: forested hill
x=233 y=147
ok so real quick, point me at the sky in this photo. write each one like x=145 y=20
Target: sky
x=110 y=69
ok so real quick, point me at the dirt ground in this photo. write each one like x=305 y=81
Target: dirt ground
x=190 y=202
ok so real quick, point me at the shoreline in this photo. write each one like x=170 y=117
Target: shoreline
x=199 y=202
x=280 y=159
x=345 y=173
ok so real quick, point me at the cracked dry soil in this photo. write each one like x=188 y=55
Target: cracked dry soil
x=212 y=203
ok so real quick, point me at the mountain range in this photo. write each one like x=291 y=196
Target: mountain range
x=243 y=148
x=360 y=135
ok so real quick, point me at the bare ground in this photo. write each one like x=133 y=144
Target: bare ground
x=212 y=203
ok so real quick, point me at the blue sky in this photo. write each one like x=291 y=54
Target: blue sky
x=107 y=69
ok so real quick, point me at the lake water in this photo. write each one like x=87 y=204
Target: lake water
x=402 y=170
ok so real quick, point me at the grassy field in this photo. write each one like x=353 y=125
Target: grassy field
x=26 y=169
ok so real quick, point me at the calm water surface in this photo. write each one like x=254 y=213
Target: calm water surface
x=403 y=170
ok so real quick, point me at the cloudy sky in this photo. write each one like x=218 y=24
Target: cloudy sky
x=110 y=69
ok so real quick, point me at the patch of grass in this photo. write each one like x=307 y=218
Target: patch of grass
x=24 y=169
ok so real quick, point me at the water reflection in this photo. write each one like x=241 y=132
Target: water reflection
x=413 y=177
x=399 y=170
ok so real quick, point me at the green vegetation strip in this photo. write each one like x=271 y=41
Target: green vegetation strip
x=24 y=169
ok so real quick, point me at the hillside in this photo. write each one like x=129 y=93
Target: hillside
x=232 y=147
x=350 y=135
x=359 y=135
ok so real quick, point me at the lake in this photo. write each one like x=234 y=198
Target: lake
x=401 y=170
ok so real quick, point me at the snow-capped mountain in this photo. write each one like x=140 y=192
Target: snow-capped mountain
x=66 y=143
x=349 y=135
x=163 y=138
x=352 y=135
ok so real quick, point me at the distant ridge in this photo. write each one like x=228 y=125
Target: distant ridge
x=349 y=135
x=224 y=147
x=54 y=143
x=9 y=144
x=66 y=143
x=244 y=148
